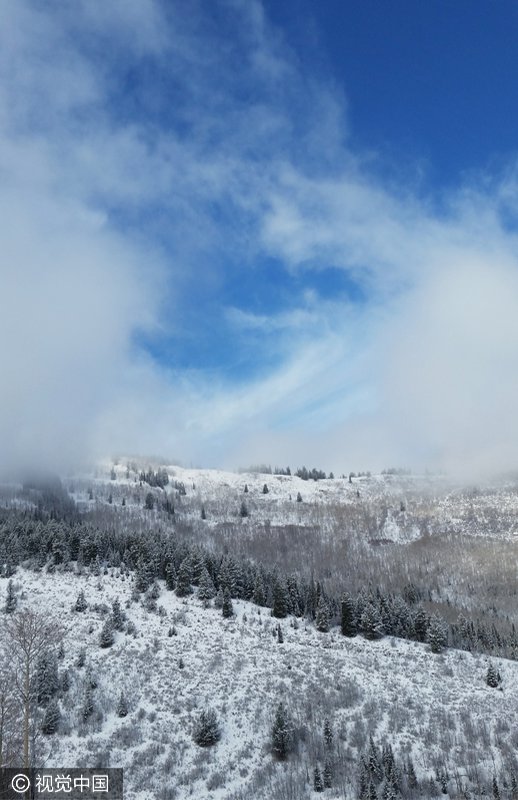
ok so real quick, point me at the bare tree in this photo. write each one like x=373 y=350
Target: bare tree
x=27 y=636
x=9 y=712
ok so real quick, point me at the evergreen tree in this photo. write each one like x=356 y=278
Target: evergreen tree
x=412 y=777
x=65 y=681
x=371 y=624
x=280 y=637
x=81 y=658
x=280 y=599
x=259 y=593
x=420 y=624
x=227 y=608
x=496 y=790
x=81 y=604
x=492 y=676
x=348 y=616
x=183 y=579
x=299 y=497
x=11 y=600
x=88 y=703
x=437 y=636
x=117 y=615
x=265 y=489
x=243 y=511
x=327 y=775
x=282 y=733
x=203 y=513
x=170 y=575
x=218 y=600
x=246 y=488
x=328 y=735
x=206 y=590
x=206 y=730
x=150 y=502
x=143 y=575
x=322 y=615
x=107 y=638
x=51 y=718
x=47 y=679
x=122 y=706
x=318 y=783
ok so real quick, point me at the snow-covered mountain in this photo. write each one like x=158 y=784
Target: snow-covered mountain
x=367 y=715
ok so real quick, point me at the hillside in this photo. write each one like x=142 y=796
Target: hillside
x=411 y=552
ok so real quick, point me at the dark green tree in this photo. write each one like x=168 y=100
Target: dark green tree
x=227 y=609
x=348 y=616
x=122 y=706
x=117 y=615
x=183 y=579
x=81 y=604
x=107 y=637
x=11 y=600
x=493 y=678
x=207 y=731
x=150 y=502
x=206 y=590
x=318 y=783
x=280 y=599
x=322 y=615
x=51 y=718
x=437 y=635
x=282 y=733
x=327 y=775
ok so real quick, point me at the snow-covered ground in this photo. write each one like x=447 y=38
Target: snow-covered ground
x=435 y=708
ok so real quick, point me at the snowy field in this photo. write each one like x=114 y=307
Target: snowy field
x=435 y=708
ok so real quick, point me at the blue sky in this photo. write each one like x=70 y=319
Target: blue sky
x=240 y=231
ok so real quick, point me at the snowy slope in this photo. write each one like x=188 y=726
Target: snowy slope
x=435 y=708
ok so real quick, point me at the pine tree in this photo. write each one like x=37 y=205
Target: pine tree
x=318 y=784
x=47 y=679
x=207 y=590
x=65 y=681
x=280 y=637
x=322 y=615
x=107 y=638
x=259 y=593
x=206 y=730
x=243 y=511
x=328 y=735
x=436 y=635
x=117 y=615
x=280 y=599
x=11 y=600
x=81 y=604
x=371 y=624
x=227 y=609
x=348 y=616
x=150 y=501
x=183 y=579
x=265 y=489
x=51 y=718
x=282 y=733
x=88 y=703
x=492 y=677
x=122 y=706
x=81 y=658
x=299 y=497
x=327 y=775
